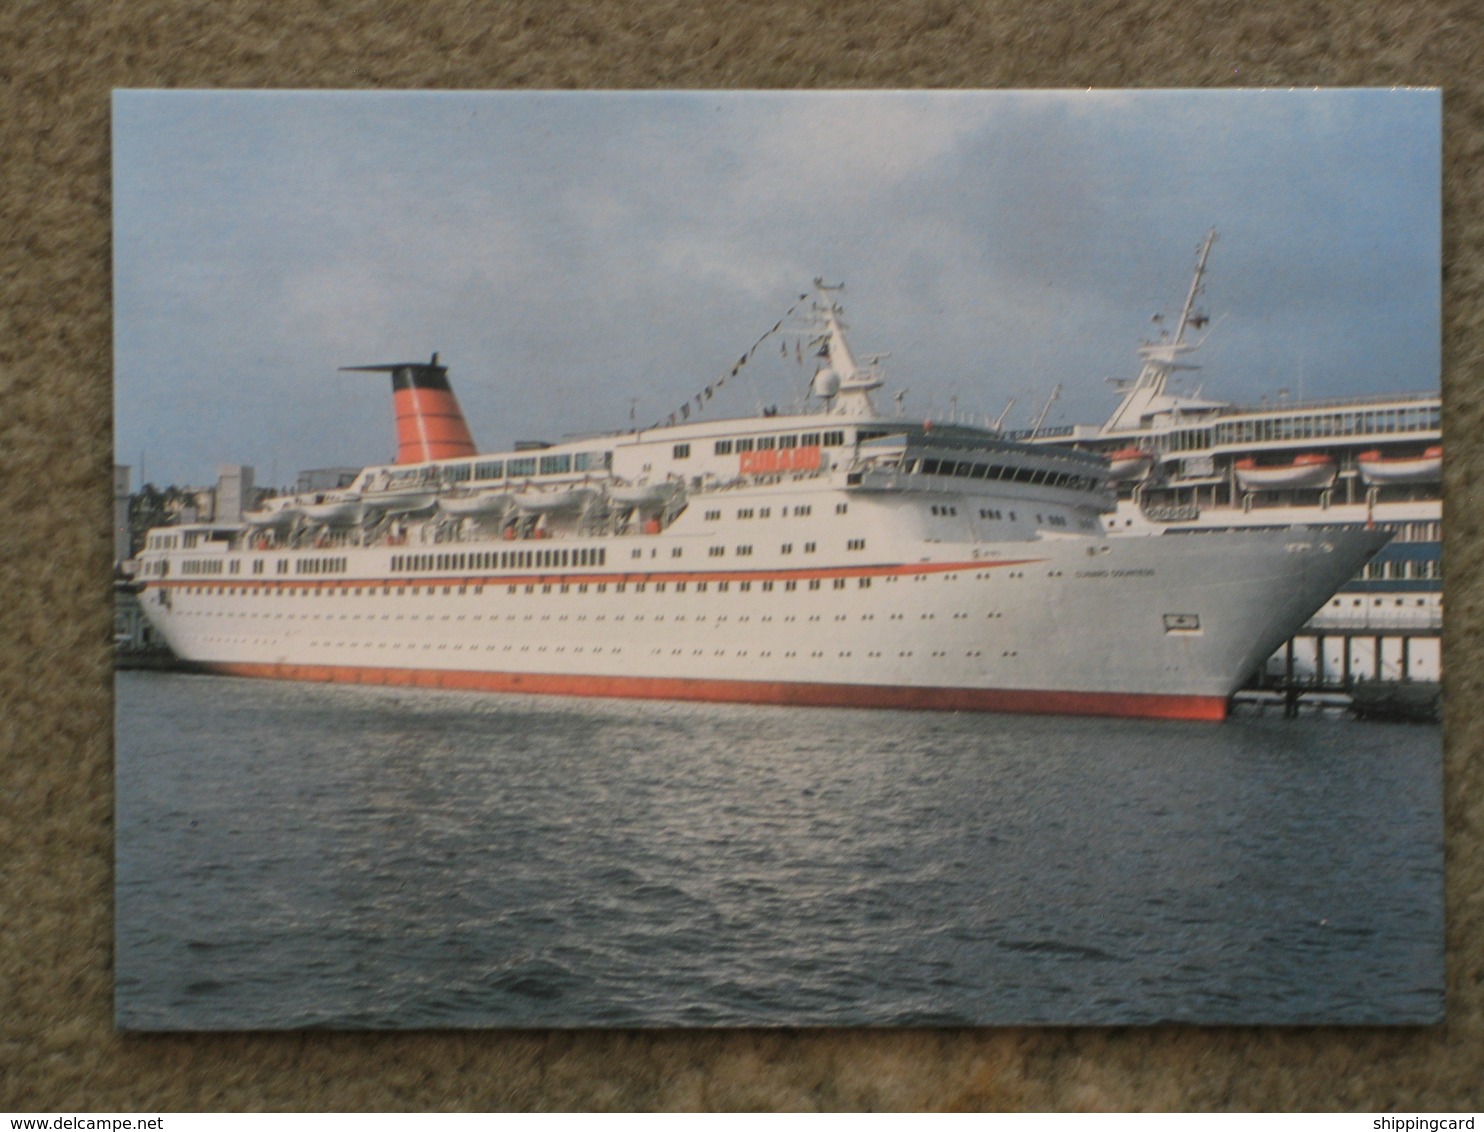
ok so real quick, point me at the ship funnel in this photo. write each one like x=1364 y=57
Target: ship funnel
x=430 y=424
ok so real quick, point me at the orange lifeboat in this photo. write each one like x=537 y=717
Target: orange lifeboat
x=1129 y=464
x=1308 y=470
x=1378 y=469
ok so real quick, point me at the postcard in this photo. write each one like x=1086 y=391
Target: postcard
x=716 y=559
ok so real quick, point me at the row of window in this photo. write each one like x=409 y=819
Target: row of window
x=763 y=654
x=520 y=467
x=406 y=590
x=1415 y=532
x=317 y=566
x=969 y=470
x=502 y=559
x=1427 y=569
x=803 y=510
x=1307 y=426
x=402 y=590
x=786 y=548
x=832 y=439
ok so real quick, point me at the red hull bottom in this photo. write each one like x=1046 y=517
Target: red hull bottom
x=1119 y=704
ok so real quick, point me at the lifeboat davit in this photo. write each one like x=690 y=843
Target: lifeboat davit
x=1309 y=470
x=1129 y=464
x=1378 y=469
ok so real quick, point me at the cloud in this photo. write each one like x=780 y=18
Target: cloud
x=568 y=252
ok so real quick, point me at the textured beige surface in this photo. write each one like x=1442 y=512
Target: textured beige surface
x=58 y=61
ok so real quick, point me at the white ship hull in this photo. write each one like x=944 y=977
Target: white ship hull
x=1162 y=627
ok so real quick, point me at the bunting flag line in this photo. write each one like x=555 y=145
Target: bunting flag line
x=683 y=413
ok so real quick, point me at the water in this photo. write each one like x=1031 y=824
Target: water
x=309 y=855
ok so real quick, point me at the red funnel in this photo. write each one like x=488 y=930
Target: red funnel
x=430 y=424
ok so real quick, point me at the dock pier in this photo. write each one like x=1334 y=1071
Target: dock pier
x=1377 y=670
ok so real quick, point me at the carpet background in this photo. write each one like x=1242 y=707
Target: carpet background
x=58 y=61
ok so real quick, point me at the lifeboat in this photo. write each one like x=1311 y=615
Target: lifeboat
x=557 y=501
x=643 y=496
x=1378 y=469
x=275 y=514
x=334 y=510
x=402 y=493
x=1309 y=470
x=1129 y=464
x=476 y=504
x=402 y=501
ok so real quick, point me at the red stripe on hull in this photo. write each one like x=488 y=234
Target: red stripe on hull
x=1134 y=705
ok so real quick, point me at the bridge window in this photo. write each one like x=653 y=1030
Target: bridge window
x=591 y=461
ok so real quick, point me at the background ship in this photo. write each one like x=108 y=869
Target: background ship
x=1181 y=462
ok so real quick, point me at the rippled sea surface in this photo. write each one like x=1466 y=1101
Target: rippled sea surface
x=295 y=855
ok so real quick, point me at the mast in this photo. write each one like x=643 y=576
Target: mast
x=845 y=386
x=1147 y=394
x=1046 y=408
x=1195 y=286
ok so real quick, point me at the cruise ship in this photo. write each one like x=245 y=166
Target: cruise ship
x=1181 y=462
x=832 y=556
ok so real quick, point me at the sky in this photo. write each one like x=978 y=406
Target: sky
x=580 y=259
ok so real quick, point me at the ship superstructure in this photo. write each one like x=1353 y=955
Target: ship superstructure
x=836 y=556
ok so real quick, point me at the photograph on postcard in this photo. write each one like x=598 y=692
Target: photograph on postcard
x=777 y=558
